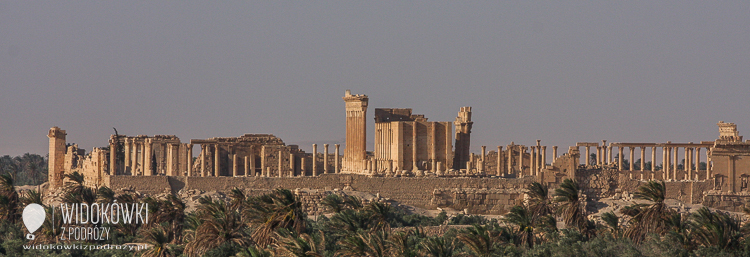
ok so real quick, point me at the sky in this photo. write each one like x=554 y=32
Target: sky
x=559 y=71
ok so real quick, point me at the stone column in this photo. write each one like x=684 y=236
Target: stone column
x=235 y=166
x=653 y=158
x=414 y=148
x=609 y=154
x=325 y=159
x=664 y=163
x=336 y=166
x=147 y=148
x=599 y=155
x=499 y=161
x=533 y=160
x=251 y=159
x=246 y=166
x=126 y=163
x=142 y=160
x=631 y=161
x=510 y=159
x=204 y=152
x=113 y=142
x=676 y=161
x=190 y=160
x=170 y=160
x=217 y=161
x=281 y=163
x=544 y=158
x=520 y=160
x=268 y=171
x=688 y=163
x=134 y=159
x=619 y=158
x=291 y=165
x=643 y=158
x=315 y=159
x=708 y=163
x=303 y=169
x=482 y=162
x=588 y=155
x=554 y=154
x=604 y=152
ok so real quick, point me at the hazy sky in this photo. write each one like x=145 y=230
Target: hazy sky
x=562 y=72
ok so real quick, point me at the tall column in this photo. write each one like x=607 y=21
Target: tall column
x=520 y=160
x=315 y=159
x=653 y=158
x=336 y=167
x=609 y=154
x=235 y=165
x=588 y=155
x=631 y=150
x=302 y=168
x=204 y=152
x=113 y=142
x=291 y=165
x=325 y=159
x=246 y=166
x=190 y=160
x=356 y=133
x=251 y=159
x=148 y=150
x=664 y=163
x=281 y=163
x=134 y=159
x=499 y=161
x=604 y=152
x=544 y=158
x=217 y=161
x=170 y=160
x=482 y=162
x=688 y=163
x=532 y=151
x=554 y=154
x=142 y=160
x=619 y=158
x=708 y=163
x=676 y=162
x=599 y=155
x=127 y=162
x=414 y=148
x=643 y=158
x=509 y=158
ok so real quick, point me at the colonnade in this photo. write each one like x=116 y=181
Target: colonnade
x=171 y=157
x=212 y=153
x=691 y=154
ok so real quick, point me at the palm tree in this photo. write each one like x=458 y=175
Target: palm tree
x=539 y=201
x=159 y=241
x=716 y=229
x=613 y=223
x=350 y=221
x=570 y=207
x=478 y=239
x=649 y=218
x=279 y=209
x=252 y=251
x=374 y=244
x=237 y=199
x=293 y=245
x=522 y=218
x=32 y=196
x=333 y=202
x=380 y=214
x=438 y=247
x=220 y=225
x=402 y=244
x=9 y=199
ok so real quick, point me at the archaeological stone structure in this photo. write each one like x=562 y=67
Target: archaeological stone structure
x=414 y=161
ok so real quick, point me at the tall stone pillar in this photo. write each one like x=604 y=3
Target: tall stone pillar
x=643 y=158
x=303 y=168
x=134 y=159
x=235 y=165
x=246 y=166
x=356 y=133
x=604 y=152
x=325 y=159
x=281 y=163
x=291 y=165
x=609 y=154
x=708 y=163
x=204 y=152
x=533 y=160
x=599 y=155
x=520 y=160
x=554 y=154
x=251 y=159
x=336 y=167
x=217 y=160
x=510 y=159
x=414 y=166
x=676 y=162
x=653 y=158
x=544 y=158
x=170 y=159
x=190 y=160
x=620 y=157
x=588 y=155
x=128 y=156
x=148 y=170
x=688 y=163
x=315 y=160
x=499 y=161
x=263 y=160
x=463 y=126
x=631 y=149
x=113 y=142
x=664 y=163
x=482 y=162
x=56 y=161
x=697 y=159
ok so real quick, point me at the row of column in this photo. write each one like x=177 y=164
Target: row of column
x=265 y=170
x=504 y=167
x=670 y=160
x=138 y=158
